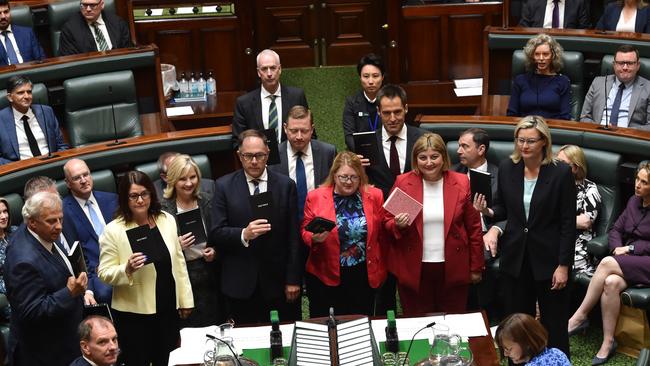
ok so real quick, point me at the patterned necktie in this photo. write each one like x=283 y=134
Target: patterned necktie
x=102 y=45
x=273 y=113
x=394 y=157
x=31 y=140
x=9 y=47
x=556 y=14
x=97 y=223
x=256 y=184
x=301 y=184
x=617 y=105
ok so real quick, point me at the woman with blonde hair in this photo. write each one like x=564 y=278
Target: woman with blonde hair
x=537 y=195
x=345 y=265
x=440 y=253
x=542 y=90
x=625 y=16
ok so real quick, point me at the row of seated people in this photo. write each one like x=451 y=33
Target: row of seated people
x=260 y=265
x=621 y=99
x=91 y=29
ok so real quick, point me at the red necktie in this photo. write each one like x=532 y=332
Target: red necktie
x=394 y=158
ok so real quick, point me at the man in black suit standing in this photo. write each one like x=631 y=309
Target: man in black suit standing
x=267 y=106
x=395 y=141
x=98 y=342
x=93 y=29
x=567 y=14
x=260 y=257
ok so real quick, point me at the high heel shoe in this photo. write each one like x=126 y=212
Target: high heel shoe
x=600 y=361
x=581 y=328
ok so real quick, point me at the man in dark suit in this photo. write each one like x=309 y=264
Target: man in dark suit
x=98 y=342
x=260 y=257
x=46 y=299
x=267 y=106
x=572 y=14
x=19 y=44
x=93 y=29
x=26 y=132
x=88 y=211
x=395 y=141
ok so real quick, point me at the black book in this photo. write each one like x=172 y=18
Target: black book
x=142 y=241
x=319 y=225
x=365 y=143
x=77 y=259
x=101 y=309
x=481 y=182
x=192 y=222
x=274 y=151
x=262 y=206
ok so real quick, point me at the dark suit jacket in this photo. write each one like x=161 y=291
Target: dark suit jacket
x=27 y=43
x=380 y=174
x=76 y=36
x=575 y=14
x=44 y=317
x=610 y=17
x=248 y=110
x=463 y=236
x=272 y=260
x=9 y=141
x=73 y=215
x=205 y=206
x=323 y=155
x=547 y=237
x=491 y=168
x=80 y=361
x=352 y=122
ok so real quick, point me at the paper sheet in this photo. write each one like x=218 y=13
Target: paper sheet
x=469 y=83
x=466 y=325
x=468 y=92
x=179 y=111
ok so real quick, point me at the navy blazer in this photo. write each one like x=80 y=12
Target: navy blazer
x=323 y=156
x=610 y=17
x=80 y=361
x=27 y=43
x=74 y=216
x=44 y=316
x=248 y=110
x=9 y=141
x=576 y=15
x=271 y=261
x=76 y=36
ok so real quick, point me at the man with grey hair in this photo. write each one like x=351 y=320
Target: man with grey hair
x=98 y=342
x=267 y=106
x=46 y=298
x=38 y=184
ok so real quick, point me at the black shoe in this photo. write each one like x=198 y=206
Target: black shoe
x=600 y=361
x=581 y=328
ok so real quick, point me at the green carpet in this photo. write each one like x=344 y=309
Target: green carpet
x=326 y=89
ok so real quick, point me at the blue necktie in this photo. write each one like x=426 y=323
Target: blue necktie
x=256 y=185
x=97 y=223
x=617 y=105
x=9 y=47
x=301 y=184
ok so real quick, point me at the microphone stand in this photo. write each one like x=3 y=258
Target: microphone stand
x=117 y=141
x=47 y=137
x=606 y=126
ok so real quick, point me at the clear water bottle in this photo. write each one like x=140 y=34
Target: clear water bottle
x=201 y=84
x=184 y=85
x=194 y=85
x=211 y=86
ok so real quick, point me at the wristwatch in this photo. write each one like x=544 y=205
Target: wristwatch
x=630 y=249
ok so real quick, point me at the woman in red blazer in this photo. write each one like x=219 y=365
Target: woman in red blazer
x=345 y=264
x=441 y=252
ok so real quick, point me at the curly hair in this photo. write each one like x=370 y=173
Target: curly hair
x=538 y=40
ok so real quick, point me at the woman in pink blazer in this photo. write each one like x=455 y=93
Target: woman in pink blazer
x=345 y=264
x=441 y=252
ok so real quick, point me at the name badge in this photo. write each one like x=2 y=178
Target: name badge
x=363 y=114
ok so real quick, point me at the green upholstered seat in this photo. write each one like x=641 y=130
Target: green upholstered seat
x=89 y=101
x=39 y=95
x=59 y=12
x=573 y=69
x=151 y=169
x=103 y=180
x=22 y=15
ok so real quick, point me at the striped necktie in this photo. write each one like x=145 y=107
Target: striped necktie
x=273 y=113
x=99 y=38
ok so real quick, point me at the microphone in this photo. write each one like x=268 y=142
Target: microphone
x=47 y=138
x=413 y=338
x=228 y=345
x=606 y=126
x=117 y=141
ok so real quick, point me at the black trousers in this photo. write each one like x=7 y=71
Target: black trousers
x=146 y=339
x=257 y=308
x=386 y=296
x=353 y=296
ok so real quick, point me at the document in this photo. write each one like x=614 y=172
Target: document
x=319 y=225
x=262 y=205
x=192 y=222
x=399 y=202
x=141 y=241
x=365 y=143
x=481 y=182
x=179 y=111
x=77 y=259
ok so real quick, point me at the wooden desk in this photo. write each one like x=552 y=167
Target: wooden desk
x=216 y=111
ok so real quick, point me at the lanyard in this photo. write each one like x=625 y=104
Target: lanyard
x=373 y=126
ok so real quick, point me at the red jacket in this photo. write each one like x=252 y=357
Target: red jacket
x=323 y=261
x=463 y=235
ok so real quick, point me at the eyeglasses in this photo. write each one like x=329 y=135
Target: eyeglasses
x=258 y=156
x=90 y=6
x=522 y=141
x=144 y=195
x=348 y=178
x=77 y=178
x=626 y=63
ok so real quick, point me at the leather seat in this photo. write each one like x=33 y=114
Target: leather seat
x=39 y=95
x=103 y=180
x=22 y=15
x=89 y=101
x=573 y=69
x=58 y=13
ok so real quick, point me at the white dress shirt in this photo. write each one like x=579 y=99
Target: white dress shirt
x=10 y=34
x=307 y=160
x=624 y=109
x=548 y=14
x=629 y=26
x=95 y=207
x=266 y=104
x=433 y=222
x=400 y=144
x=54 y=248
x=23 y=145
x=102 y=27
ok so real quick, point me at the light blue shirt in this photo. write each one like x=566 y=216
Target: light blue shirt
x=529 y=188
x=624 y=110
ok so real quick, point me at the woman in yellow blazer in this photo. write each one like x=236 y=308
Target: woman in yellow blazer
x=148 y=296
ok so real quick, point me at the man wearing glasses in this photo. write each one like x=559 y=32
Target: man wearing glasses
x=261 y=268
x=88 y=211
x=93 y=29
x=622 y=99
